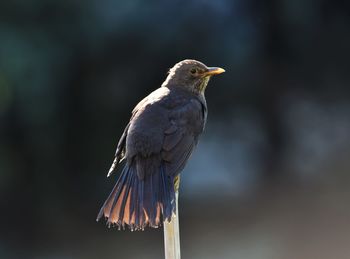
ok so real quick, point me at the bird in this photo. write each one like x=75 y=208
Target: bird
x=156 y=144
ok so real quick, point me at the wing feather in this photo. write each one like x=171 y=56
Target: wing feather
x=181 y=137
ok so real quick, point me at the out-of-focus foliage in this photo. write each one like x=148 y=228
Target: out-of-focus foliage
x=277 y=131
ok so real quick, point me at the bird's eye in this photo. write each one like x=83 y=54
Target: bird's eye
x=193 y=70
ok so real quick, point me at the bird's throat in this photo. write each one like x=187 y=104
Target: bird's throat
x=202 y=84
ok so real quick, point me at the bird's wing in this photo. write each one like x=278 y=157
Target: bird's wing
x=120 y=152
x=180 y=138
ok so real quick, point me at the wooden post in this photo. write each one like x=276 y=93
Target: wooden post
x=172 y=234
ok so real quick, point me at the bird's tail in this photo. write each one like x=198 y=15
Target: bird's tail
x=140 y=202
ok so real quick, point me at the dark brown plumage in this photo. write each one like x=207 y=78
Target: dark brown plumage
x=156 y=144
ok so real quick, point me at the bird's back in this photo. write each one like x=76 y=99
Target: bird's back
x=162 y=109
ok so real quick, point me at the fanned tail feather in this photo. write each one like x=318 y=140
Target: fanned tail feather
x=138 y=203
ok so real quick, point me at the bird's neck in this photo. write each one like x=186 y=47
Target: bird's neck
x=197 y=89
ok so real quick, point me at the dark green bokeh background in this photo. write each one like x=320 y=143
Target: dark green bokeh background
x=270 y=177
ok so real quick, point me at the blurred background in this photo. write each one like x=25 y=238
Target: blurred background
x=270 y=176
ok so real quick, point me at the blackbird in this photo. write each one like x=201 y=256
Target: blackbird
x=156 y=144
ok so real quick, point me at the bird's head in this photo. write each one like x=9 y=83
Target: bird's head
x=191 y=75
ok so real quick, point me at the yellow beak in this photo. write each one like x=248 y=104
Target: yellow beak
x=213 y=71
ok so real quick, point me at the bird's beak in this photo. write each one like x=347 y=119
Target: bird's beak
x=213 y=71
